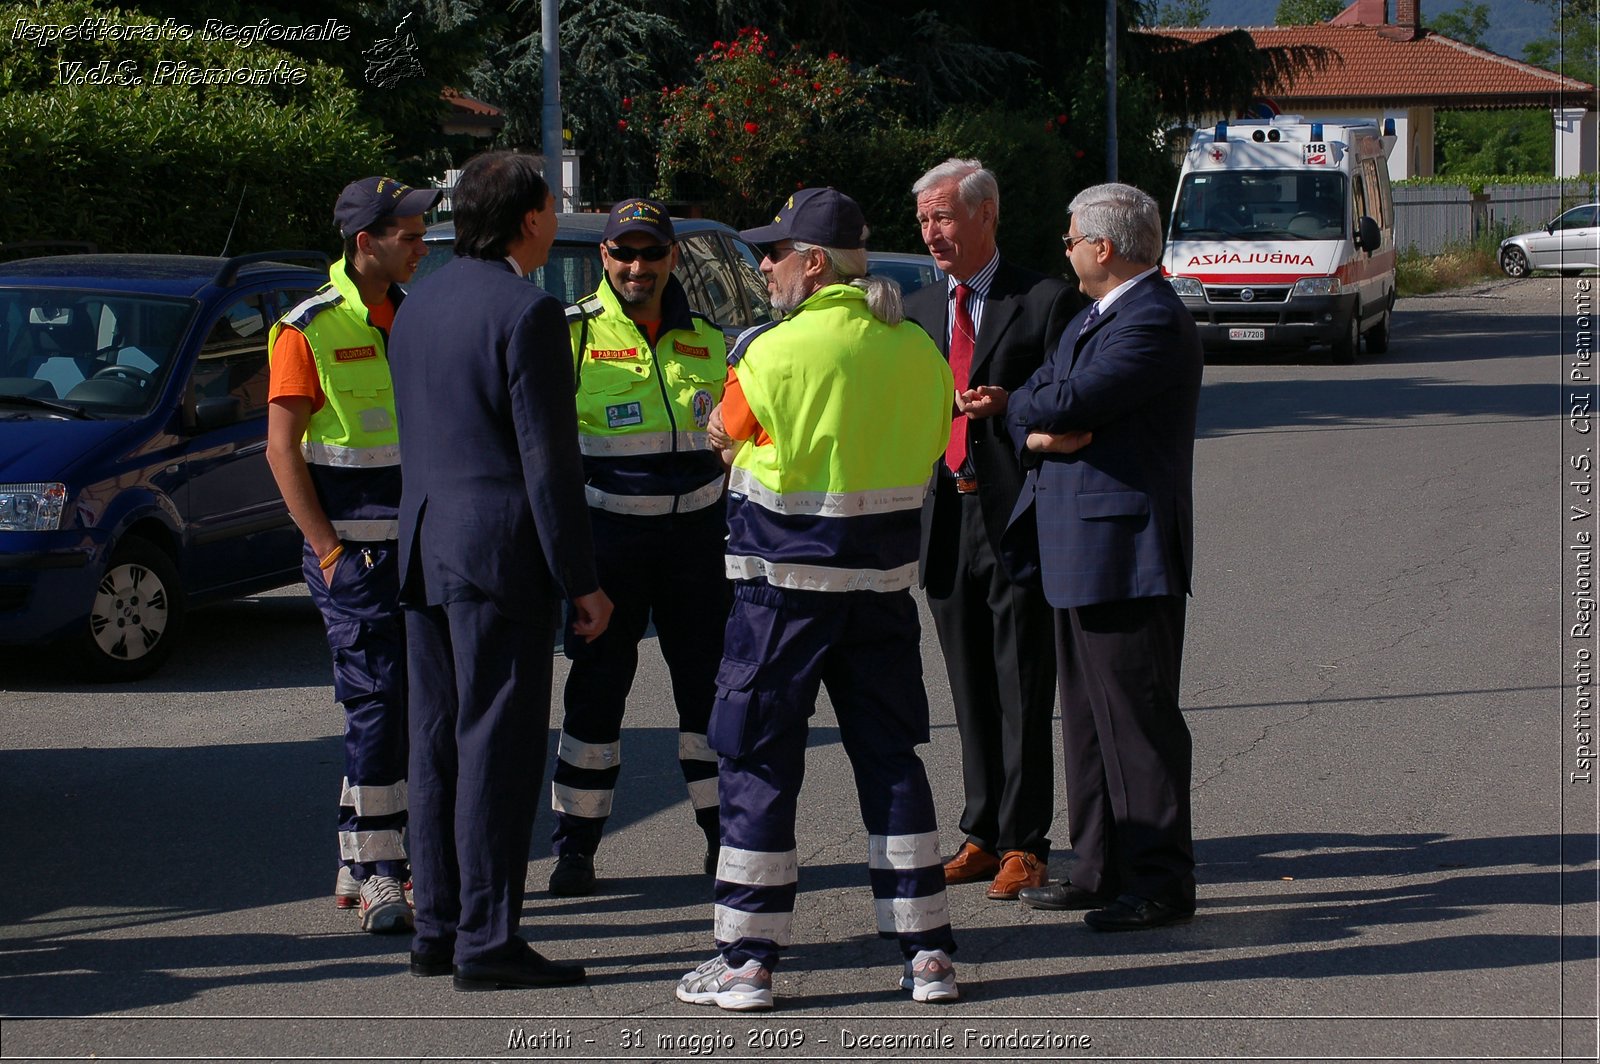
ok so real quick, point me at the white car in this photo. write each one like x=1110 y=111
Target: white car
x=1569 y=243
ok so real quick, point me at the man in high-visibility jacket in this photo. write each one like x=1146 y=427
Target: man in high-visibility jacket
x=837 y=414
x=334 y=450
x=649 y=371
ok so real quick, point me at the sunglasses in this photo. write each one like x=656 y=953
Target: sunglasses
x=1073 y=241
x=653 y=253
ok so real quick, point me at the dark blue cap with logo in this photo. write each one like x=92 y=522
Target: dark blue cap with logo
x=372 y=198
x=822 y=216
x=639 y=216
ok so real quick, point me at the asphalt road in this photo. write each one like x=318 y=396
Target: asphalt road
x=1394 y=859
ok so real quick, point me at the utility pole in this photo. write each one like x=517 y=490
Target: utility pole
x=1111 y=90
x=550 y=34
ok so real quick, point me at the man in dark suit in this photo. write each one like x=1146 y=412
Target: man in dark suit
x=1112 y=416
x=995 y=322
x=494 y=531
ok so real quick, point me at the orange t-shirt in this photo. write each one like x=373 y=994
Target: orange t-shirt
x=294 y=367
x=738 y=420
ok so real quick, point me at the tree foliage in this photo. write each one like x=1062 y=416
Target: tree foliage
x=1306 y=12
x=1468 y=24
x=753 y=121
x=449 y=37
x=936 y=59
x=1571 y=47
x=173 y=167
x=1494 y=142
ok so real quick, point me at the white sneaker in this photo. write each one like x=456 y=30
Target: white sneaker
x=739 y=989
x=346 y=889
x=383 y=906
x=931 y=976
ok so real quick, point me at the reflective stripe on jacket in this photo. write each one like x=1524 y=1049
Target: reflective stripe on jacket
x=857 y=412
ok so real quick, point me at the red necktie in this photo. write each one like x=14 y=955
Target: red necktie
x=961 y=344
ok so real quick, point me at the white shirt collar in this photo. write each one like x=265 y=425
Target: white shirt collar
x=1105 y=301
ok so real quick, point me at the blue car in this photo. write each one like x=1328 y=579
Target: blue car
x=133 y=425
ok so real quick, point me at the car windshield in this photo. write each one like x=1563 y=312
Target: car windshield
x=104 y=353
x=572 y=271
x=1260 y=205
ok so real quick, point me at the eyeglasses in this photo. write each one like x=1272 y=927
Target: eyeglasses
x=653 y=253
x=1073 y=241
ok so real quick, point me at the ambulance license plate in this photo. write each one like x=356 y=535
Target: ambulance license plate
x=1247 y=334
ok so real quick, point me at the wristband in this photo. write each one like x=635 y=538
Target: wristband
x=331 y=557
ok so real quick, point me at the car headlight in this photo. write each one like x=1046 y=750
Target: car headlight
x=1188 y=286
x=1317 y=286
x=31 y=507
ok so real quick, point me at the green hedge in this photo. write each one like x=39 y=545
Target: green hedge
x=164 y=167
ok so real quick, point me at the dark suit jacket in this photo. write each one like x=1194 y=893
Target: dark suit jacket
x=1023 y=318
x=492 y=506
x=1115 y=520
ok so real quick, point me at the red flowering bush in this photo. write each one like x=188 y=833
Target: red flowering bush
x=754 y=121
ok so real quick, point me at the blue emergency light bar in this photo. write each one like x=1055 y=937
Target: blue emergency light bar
x=1222 y=132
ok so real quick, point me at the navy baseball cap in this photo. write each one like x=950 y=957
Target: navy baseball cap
x=822 y=216
x=639 y=216
x=371 y=198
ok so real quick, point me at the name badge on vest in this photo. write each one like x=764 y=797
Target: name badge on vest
x=354 y=354
x=624 y=414
x=607 y=355
x=692 y=352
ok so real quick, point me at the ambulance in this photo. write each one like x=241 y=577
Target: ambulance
x=1282 y=236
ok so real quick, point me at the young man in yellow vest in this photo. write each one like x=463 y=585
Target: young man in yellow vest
x=334 y=450
x=649 y=371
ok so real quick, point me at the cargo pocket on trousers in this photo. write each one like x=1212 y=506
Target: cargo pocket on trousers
x=353 y=672
x=735 y=712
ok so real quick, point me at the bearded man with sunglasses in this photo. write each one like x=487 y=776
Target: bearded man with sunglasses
x=649 y=372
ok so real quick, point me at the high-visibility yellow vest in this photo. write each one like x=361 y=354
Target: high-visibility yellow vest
x=352 y=443
x=857 y=412
x=642 y=410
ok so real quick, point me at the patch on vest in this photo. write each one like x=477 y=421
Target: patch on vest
x=601 y=355
x=375 y=419
x=625 y=414
x=693 y=352
x=354 y=354
x=702 y=404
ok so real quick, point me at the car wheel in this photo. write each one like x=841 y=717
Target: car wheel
x=1345 y=348
x=136 y=615
x=1377 y=337
x=1514 y=262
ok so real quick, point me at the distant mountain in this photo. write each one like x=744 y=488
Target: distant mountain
x=1512 y=23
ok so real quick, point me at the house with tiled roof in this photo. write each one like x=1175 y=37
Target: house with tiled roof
x=1405 y=72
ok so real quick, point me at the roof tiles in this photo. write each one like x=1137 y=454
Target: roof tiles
x=1431 y=69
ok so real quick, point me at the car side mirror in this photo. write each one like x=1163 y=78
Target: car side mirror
x=1368 y=235
x=216 y=412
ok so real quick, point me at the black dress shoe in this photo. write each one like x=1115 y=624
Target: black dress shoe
x=528 y=970
x=573 y=876
x=424 y=965
x=1133 y=913
x=1057 y=897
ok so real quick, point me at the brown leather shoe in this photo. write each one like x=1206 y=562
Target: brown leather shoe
x=970 y=864
x=1018 y=869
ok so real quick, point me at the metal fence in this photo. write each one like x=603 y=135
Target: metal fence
x=1430 y=218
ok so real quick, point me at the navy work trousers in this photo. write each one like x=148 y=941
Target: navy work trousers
x=865 y=646
x=366 y=633
x=669 y=570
